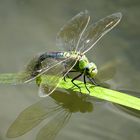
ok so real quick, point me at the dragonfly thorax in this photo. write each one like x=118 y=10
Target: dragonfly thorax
x=86 y=67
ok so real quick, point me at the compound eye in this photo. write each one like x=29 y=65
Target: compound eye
x=93 y=69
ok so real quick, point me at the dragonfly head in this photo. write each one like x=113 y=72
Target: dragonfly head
x=91 y=70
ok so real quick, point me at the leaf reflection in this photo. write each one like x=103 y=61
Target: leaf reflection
x=59 y=107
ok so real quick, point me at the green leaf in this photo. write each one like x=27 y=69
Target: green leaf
x=95 y=91
x=100 y=92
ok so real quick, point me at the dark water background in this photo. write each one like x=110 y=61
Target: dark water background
x=28 y=27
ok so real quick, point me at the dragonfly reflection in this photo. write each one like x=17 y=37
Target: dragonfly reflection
x=59 y=106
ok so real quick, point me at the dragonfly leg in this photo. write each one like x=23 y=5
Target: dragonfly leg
x=72 y=71
x=85 y=83
x=75 y=79
x=92 y=80
x=65 y=79
x=68 y=75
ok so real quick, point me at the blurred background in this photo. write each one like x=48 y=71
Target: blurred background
x=29 y=27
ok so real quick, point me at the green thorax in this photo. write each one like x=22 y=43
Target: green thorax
x=82 y=61
x=83 y=65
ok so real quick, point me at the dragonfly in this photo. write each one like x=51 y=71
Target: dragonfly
x=74 y=40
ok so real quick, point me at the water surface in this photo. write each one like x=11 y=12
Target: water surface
x=29 y=27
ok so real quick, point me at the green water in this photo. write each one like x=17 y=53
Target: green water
x=28 y=27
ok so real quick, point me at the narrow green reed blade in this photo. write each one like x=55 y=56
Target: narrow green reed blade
x=95 y=91
x=100 y=92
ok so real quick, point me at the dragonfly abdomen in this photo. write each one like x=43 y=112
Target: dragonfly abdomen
x=57 y=55
x=43 y=57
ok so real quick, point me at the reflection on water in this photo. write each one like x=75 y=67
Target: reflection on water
x=60 y=109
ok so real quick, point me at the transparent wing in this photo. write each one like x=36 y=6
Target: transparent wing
x=33 y=69
x=44 y=66
x=26 y=75
x=36 y=68
x=51 y=129
x=108 y=72
x=53 y=77
x=95 y=31
x=11 y=78
x=31 y=117
x=69 y=35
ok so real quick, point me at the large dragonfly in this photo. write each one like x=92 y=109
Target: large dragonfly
x=74 y=39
